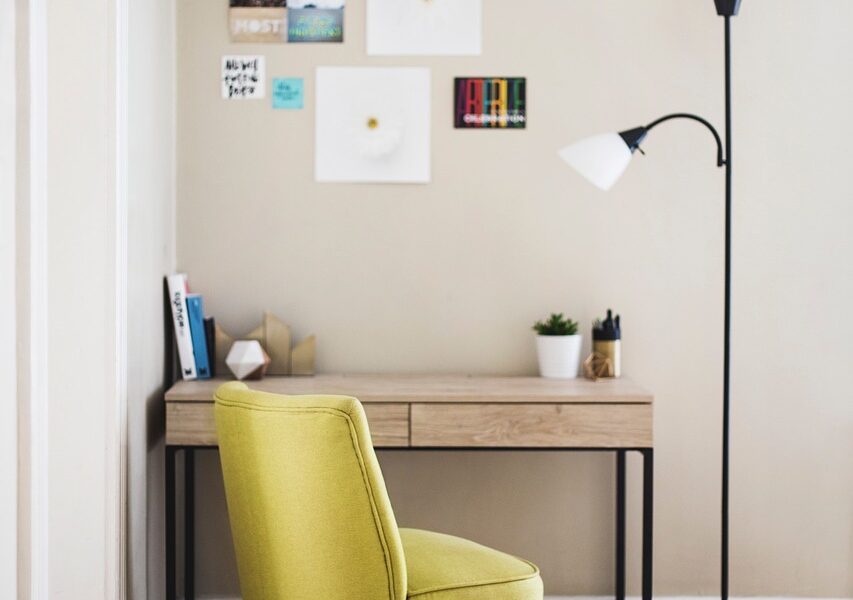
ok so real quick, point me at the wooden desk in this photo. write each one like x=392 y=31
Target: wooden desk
x=431 y=412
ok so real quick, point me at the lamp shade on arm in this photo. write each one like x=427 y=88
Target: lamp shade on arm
x=601 y=159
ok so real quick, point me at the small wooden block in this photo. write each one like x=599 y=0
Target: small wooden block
x=277 y=344
x=256 y=334
x=223 y=347
x=303 y=357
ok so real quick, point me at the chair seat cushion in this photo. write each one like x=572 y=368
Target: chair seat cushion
x=443 y=567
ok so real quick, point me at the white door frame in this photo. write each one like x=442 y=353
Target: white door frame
x=8 y=316
x=34 y=564
x=33 y=286
x=116 y=420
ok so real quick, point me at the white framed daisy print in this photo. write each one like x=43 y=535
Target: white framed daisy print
x=373 y=125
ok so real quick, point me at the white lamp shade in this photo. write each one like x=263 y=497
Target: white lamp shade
x=601 y=158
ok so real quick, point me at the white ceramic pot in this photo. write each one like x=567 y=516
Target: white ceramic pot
x=559 y=355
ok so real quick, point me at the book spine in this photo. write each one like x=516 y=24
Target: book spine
x=178 y=302
x=195 y=310
x=210 y=338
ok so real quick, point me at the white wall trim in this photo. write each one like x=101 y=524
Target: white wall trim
x=38 y=335
x=115 y=571
x=8 y=312
x=116 y=418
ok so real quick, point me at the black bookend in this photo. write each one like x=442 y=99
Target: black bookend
x=171 y=368
x=210 y=340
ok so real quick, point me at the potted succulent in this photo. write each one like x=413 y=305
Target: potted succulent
x=558 y=346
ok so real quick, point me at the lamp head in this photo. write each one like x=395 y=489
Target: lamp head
x=727 y=8
x=602 y=159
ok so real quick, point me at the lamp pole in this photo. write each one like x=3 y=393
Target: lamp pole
x=727 y=9
x=602 y=160
x=633 y=137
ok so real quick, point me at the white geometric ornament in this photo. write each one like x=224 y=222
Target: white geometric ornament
x=247 y=360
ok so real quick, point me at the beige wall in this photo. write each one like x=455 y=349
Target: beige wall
x=151 y=255
x=449 y=276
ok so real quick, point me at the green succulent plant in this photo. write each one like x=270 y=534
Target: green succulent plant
x=556 y=324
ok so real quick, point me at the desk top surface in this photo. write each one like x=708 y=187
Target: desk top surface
x=434 y=389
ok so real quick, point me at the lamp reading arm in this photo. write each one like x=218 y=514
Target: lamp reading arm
x=633 y=137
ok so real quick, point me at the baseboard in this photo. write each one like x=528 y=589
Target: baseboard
x=690 y=598
x=611 y=598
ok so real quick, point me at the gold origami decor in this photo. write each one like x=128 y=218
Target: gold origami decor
x=275 y=338
x=598 y=365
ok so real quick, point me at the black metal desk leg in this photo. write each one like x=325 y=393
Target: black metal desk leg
x=189 y=524
x=648 y=520
x=620 y=525
x=171 y=553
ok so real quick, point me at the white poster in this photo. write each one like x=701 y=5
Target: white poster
x=421 y=27
x=373 y=124
x=243 y=77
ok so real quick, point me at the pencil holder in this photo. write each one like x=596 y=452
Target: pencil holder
x=607 y=342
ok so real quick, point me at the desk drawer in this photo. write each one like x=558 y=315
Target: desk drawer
x=389 y=424
x=532 y=425
x=192 y=424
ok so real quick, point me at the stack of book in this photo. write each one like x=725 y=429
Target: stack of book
x=194 y=333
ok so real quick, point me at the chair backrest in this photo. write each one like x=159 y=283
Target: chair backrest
x=309 y=511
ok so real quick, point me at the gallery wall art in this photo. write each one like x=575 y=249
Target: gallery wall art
x=490 y=103
x=288 y=93
x=315 y=21
x=373 y=124
x=424 y=27
x=243 y=77
x=257 y=21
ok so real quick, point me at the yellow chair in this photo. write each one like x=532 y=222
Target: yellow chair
x=311 y=517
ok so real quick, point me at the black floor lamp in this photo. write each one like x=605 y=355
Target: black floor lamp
x=603 y=158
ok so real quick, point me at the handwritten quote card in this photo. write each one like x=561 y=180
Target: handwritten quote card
x=243 y=77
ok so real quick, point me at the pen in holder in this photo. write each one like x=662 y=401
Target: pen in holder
x=607 y=344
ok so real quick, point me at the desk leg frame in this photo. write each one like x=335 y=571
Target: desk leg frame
x=648 y=520
x=620 y=524
x=189 y=521
x=648 y=523
x=171 y=522
x=171 y=538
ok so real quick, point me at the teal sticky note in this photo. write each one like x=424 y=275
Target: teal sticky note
x=287 y=93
